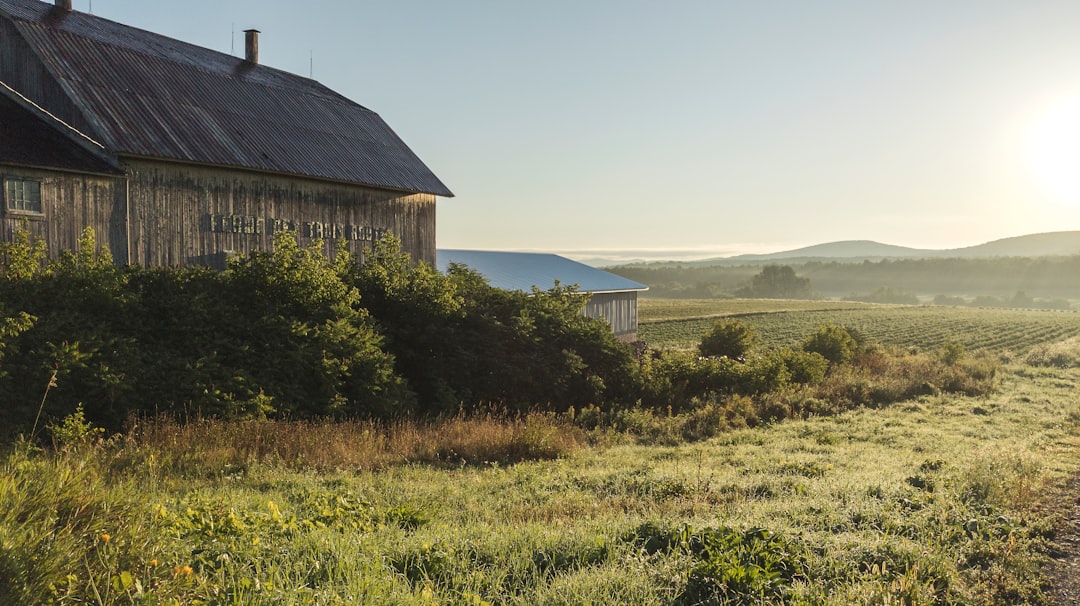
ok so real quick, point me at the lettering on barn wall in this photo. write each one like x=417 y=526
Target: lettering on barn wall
x=243 y=224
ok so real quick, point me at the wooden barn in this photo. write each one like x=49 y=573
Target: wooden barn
x=612 y=298
x=178 y=155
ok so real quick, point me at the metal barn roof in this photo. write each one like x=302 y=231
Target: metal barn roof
x=33 y=140
x=522 y=271
x=152 y=96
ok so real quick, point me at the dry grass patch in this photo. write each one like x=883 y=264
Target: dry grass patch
x=1063 y=354
x=211 y=447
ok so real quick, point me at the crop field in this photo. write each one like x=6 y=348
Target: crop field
x=680 y=324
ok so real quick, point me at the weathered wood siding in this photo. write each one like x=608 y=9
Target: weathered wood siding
x=619 y=309
x=69 y=203
x=185 y=214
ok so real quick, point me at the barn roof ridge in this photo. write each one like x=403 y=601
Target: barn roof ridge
x=150 y=95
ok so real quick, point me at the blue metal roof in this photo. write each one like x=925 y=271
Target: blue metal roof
x=523 y=271
x=148 y=95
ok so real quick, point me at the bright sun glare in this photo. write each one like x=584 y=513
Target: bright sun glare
x=1054 y=151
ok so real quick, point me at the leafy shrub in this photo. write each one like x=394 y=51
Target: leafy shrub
x=457 y=339
x=952 y=352
x=276 y=333
x=805 y=367
x=291 y=333
x=728 y=338
x=834 y=343
x=23 y=256
x=878 y=379
x=674 y=379
x=74 y=431
x=729 y=566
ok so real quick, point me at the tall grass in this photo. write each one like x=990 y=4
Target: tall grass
x=209 y=447
x=1063 y=354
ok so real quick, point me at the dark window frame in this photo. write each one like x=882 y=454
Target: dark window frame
x=16 y=200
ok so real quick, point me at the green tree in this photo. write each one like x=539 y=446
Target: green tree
x=776 y=282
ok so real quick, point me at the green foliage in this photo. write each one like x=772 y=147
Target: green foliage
x=291 y=333
x=11 y=327
x=276 y=333
x=776 y=282
x=885 y=294
x=949 y=300
x=458 y=340
x=832 y=342
x=728 y=338
x=23 y=257
x=729 y=566
x=805 y=367
x=952 y=352
x=74 y=431
x=87 y=260
x=326 y=353
x=677 y=379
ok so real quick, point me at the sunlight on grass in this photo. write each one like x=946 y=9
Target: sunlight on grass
x=932 y=500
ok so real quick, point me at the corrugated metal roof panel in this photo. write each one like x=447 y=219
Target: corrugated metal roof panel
x=523 y=271
x=153 y=96
x=30 y=139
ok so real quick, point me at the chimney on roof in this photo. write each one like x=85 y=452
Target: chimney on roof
x=251 y=44
x=64 y=5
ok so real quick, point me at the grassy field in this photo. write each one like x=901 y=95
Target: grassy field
x=675 y=323
x=937 y=500
x=941 y=499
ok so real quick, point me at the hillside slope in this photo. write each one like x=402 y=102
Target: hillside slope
x=1033 y=245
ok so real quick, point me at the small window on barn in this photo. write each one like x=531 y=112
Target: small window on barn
x=22 y=195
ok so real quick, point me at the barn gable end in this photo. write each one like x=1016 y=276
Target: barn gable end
x=177 y=154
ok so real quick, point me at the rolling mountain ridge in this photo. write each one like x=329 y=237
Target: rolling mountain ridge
x=1034 y=245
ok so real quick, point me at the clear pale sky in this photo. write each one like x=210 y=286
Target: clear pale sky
x=715 y=127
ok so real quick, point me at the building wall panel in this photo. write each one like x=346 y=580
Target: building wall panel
x=619 y=309
x=184 y=214
x=69 y=203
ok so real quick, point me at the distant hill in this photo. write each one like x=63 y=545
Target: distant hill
x=847 y=249
x=1035 y=270
x=856 y=251
x=1035 y=245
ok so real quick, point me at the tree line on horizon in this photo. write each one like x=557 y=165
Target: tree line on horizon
x=1048 y=282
